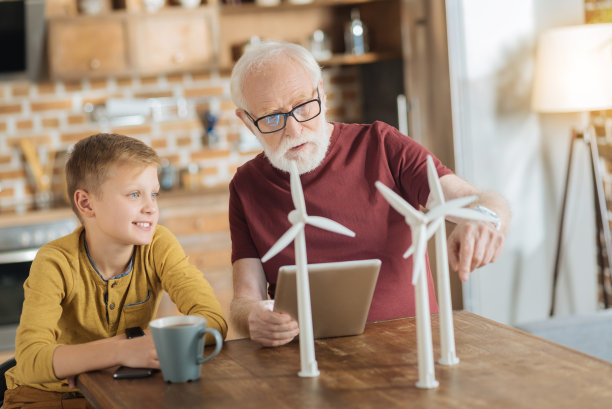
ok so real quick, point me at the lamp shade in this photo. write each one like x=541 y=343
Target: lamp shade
x=573 y=70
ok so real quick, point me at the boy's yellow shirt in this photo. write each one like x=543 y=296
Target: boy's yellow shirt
x=65 y=301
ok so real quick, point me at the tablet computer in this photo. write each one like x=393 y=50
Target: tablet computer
x=340 y=293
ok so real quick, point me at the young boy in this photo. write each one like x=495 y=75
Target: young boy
x=85 y=289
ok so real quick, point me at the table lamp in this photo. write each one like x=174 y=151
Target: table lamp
x=573 y=73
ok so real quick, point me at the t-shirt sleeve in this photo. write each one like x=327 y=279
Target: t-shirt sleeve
x=408 y=162
x=242 y=242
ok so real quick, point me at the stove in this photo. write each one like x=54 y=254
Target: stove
x=18 y=247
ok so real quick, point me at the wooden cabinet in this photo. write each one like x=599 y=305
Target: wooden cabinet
x=174 y=41
x=86 y=47
x=122 y=43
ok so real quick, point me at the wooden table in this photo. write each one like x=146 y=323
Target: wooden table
x=500 y=367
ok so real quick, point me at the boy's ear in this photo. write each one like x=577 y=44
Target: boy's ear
x=83 y=203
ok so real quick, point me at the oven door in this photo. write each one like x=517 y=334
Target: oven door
x=14 y=269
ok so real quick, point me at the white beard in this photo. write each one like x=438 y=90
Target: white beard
x=305 y=162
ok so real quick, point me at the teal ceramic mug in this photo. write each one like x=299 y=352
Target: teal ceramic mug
x=179 y=341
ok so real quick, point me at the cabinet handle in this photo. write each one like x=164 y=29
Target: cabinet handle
x=178 y=58
x=94 y=64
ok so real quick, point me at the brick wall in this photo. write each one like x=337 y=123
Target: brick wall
x=600 y=11
x=55 y=115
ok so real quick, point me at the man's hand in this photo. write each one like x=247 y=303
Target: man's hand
x=271 y=328
x=473 y=244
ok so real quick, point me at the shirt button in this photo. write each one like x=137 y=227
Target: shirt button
x=112 y=306
x=114 y=284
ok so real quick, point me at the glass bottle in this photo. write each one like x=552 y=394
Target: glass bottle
x=356 y=35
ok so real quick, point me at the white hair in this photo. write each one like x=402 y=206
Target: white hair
x=259 y=56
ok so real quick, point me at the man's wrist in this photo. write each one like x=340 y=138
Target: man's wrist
x=488 y=212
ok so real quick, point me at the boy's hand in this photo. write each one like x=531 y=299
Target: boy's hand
x=139 y=352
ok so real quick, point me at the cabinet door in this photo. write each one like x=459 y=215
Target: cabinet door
x=87 y=47
x=173 y=41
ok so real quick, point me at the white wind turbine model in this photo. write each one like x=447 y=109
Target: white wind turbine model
x=448 y=354
x=299 y=219
x=422 y=227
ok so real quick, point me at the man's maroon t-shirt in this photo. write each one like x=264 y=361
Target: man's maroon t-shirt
x=342 y=189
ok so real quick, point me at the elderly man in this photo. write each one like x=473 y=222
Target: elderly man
x=279 y=95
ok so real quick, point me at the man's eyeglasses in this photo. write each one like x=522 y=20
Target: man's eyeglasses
x=277 y=122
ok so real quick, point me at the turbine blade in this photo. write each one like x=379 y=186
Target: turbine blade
x=434 y=181
x=412 y=215
x=284 y=240
x=328 y=224
x=464 y=213
x=434 y=226
x=296 y=190
x=447 y=207
x=409 y=252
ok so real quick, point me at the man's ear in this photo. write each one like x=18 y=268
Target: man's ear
x=83 y=203
x=322 y=94
x=240 y=113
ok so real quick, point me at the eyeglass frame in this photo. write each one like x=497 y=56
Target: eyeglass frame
x=287 y=114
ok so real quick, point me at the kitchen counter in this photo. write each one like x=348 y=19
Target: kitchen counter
x=35 y=217
x=170 y=203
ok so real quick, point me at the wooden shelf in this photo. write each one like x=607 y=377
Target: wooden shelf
x=223 y=29
x=297 y=22
x=351 y=59
x=285 y=5
x=345 y=60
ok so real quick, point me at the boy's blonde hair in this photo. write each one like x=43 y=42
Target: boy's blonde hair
x=92 y=157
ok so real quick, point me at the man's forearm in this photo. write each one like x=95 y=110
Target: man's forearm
x=240 y=308
x=250 y=287
x=454 y=187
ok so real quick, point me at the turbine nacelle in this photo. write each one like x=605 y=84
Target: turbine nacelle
x=299 y=218
x=425 y=225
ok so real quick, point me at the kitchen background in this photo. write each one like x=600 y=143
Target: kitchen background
x=476 y=54
x=161 y=76
x=171 y=113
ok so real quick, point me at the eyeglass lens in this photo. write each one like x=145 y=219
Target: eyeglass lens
x=302 y=113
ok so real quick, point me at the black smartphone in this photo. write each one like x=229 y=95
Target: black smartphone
x=124 y=372
x=134 y=332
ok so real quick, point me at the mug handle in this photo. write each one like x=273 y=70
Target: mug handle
x=218 y=344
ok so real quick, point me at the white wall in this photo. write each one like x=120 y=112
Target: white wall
x=500 y=144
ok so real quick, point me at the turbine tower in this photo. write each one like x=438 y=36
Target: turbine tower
x=422 y=227
x=299 y=219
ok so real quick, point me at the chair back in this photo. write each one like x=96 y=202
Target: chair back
x=5 y=366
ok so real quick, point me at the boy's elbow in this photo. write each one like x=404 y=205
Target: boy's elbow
x=36 y=367
x=221 y=324
x=216 y=322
